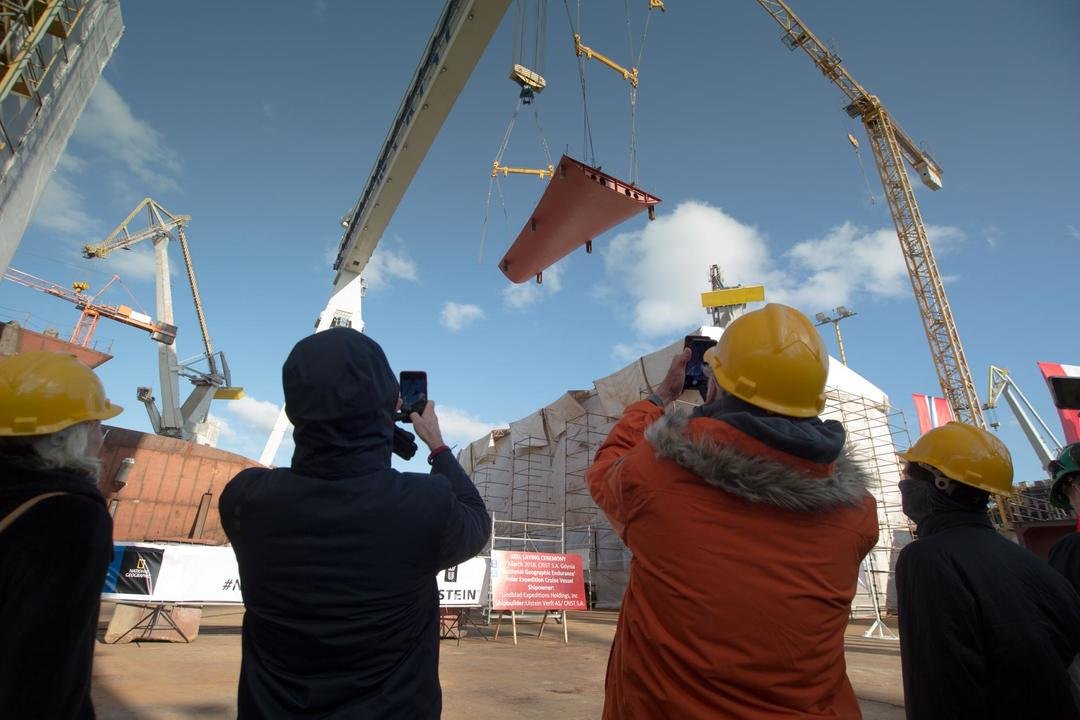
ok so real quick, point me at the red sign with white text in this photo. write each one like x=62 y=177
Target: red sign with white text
x=536 y=581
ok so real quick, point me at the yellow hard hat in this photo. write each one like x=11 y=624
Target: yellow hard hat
x=45 y=392
x=773 y=358
x=966 y=454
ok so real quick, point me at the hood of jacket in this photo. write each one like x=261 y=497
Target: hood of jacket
x=340 y=395
x=806 y=467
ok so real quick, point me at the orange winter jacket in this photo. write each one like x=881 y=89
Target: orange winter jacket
x=745 y=562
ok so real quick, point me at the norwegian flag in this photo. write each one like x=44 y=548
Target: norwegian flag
x=932 y=411
x=1070 y=419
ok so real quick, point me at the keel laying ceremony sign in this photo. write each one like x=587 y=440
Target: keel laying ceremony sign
x=536 y=581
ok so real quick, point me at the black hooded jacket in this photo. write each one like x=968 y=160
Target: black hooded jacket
x=1065 y=558
x=338 y=554
x=53 y=558
x=987 y=630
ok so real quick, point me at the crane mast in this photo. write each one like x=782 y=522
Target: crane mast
x=892 y=147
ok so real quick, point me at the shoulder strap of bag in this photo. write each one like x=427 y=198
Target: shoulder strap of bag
x=17 y=512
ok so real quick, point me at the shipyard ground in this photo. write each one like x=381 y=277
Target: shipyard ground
x=481 y=680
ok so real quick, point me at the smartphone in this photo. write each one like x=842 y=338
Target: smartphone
x=695 y=367
x=413 y=392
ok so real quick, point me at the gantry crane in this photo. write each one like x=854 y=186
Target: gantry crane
x=174 y=419
x=92 y=311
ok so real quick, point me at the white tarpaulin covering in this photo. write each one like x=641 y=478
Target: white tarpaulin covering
x=553 y=447
x=529 y=431
x=562 y=411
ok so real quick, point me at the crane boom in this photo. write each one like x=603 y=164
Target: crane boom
x=1002 y=383
x=162 y=225
x=892 y=147
x=798 y=35
x=462 y=32
x=91 y=310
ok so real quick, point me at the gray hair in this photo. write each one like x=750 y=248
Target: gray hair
x=64 y=449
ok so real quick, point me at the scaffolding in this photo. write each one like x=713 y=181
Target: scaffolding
x=51 y=55
x=874 y=430
x=534 y=480
x=531 y=486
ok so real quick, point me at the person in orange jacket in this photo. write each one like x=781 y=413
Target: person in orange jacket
x=747 y=520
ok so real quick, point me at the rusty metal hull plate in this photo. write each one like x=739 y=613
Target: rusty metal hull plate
x=165 y=488
x=24 y=340
x=580 y=203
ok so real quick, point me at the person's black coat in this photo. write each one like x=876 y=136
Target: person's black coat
x=54 y=559
x=1065 y=558
x=987 y=629
x=338 y=553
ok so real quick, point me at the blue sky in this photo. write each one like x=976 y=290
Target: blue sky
x=261 y=121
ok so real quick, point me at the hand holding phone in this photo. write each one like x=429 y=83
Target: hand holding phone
x=414 y=397
x=695 y=367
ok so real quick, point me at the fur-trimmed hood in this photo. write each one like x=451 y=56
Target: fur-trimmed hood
x=757 y=478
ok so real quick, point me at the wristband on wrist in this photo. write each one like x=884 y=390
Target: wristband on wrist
x=436 y=451
x=656 y=400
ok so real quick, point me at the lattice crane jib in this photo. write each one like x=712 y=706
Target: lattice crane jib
x=892 y=147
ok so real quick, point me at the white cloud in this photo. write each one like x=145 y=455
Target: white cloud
x=109 y=126
x=626 y=352
x=228 y=433
x=523 y=295
x=62 y=208
x=1073 y=232
x=136 y=262
x=460 y=427
x=455 y=316
x=828 y=271
x=256 y=414
x=652 y=265
x=245 y=427
x=387 y=264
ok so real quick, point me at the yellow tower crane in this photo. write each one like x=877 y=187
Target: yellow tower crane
x=892 y=148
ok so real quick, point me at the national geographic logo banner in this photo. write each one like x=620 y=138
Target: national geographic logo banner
x=134 y=571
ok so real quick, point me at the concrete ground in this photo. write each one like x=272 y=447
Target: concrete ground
x=481 y=679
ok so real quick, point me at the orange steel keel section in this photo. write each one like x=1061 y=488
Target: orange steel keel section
x=580 y=203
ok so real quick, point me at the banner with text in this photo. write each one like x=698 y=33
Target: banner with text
x=464 y=585
x=160 y=573
x=208 y=574
x=536 y=581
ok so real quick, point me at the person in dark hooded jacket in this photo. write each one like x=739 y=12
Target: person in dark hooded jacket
x=987 y=629
x=55 y=534
x=747 y=521
x=338 y=554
